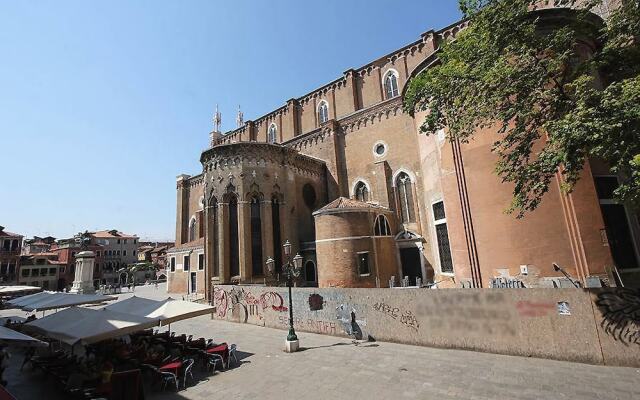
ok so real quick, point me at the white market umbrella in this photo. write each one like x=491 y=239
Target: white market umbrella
x=177 y=310
x=62 y=300
x=136 y=306
x=50 y=324
x=8 y=290
x=167 y=311
x=21 y=301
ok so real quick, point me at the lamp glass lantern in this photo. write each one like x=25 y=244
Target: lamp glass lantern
x=271 y=265
x=297 y=265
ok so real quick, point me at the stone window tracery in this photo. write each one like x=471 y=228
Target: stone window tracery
x=442 y=237
x=192 y=229
x=361 y=191
x=404 y=193
x=382 y=227
x=391 y=84
x=271 y=133
x=323 y=112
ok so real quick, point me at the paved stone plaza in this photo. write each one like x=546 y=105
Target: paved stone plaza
x=335 y=368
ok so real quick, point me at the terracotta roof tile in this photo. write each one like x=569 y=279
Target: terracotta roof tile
x=112 y=234
x=194 y=243
x=344 y=202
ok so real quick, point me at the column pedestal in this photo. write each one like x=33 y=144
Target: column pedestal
x=83 y=282
x=291 y=346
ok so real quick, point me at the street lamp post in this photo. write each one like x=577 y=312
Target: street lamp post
x=292 y=269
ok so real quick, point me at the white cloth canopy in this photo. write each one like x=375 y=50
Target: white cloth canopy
x=4 y=290
x=13 y=319
x=85 y=325
x=167 y=311
x=11 y=336
x=50 y=300
x=31 y=298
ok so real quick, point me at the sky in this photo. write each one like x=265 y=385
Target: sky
x=104 y=103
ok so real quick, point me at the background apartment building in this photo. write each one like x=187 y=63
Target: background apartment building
x=116 y=250
x=38 y=245
x=10 y=248
x=42 y=270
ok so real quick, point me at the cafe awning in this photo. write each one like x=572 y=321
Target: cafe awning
x=52 y=300
x=167 y=311
x=84 y=325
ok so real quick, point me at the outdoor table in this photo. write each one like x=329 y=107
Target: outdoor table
x=221 y=349
x=172 y=367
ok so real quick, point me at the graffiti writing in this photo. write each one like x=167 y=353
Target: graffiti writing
x=309 y=325
x=220 y=302
x=384 y=308
x=405 y=317
x=408 y=319
x=243 y=303
x=621 y=314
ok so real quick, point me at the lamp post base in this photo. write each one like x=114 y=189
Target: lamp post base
x=291 y=346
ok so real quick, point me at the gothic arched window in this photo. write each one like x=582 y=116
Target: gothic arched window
x=271 y=133
x=213 y=223
x=234 y=248
x=381 y=226
x=323 y=112
x=275 y=225
x=404 y=193
x=192 y=229
x=256 y=237
x=391 y=84
x=361 y=192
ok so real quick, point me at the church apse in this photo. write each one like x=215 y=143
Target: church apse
x=257 y=196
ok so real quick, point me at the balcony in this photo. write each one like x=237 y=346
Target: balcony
x=10 y=252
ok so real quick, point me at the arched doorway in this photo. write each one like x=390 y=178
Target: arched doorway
x=310 y=272
x=412 y=264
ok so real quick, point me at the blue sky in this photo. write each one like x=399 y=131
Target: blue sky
x=104 y=103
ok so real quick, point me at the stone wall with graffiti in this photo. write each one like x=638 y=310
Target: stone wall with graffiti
x=598 y=326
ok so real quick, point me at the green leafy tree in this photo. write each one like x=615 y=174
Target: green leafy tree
x=560 y=86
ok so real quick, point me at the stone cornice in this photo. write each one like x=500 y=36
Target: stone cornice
x=371 y=115
x=196 y=180
x=259 y=154
x=190 y=181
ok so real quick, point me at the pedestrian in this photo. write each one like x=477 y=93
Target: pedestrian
x=4 y=363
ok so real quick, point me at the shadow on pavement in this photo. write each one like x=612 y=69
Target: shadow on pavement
x=325 y=346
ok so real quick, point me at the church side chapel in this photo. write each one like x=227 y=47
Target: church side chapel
x=366 y=200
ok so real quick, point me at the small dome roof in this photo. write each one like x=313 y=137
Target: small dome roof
x=351 y=204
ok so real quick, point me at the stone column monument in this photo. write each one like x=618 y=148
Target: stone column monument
x=83 y=282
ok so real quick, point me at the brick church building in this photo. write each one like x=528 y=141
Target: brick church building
x=343 y=173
